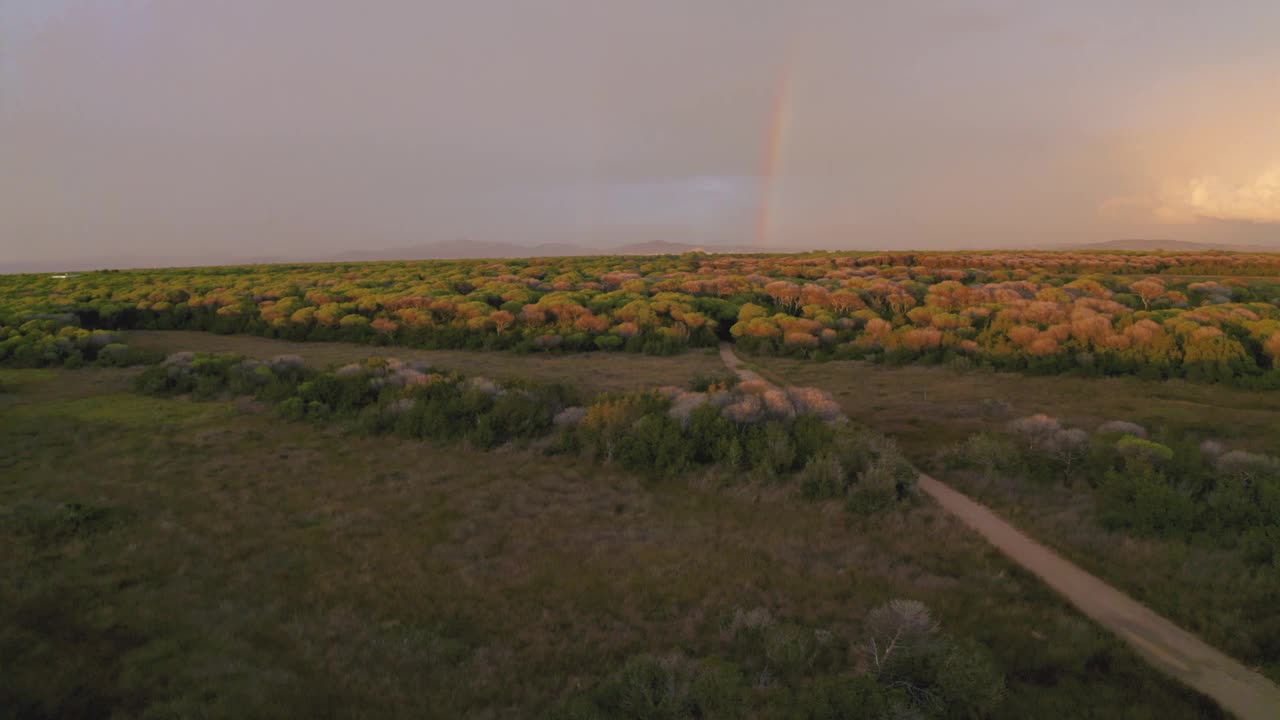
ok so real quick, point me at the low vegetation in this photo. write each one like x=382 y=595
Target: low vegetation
x=58 y=342
x=586 y=565
x=901 y=666
x=1190 y=498
x=205 y=559
x=745 y=429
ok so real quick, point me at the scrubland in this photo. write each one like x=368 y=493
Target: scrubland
x=529 y=487
x=177 y=557
x=1198 y=543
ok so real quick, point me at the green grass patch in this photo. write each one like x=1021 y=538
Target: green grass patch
x=12 y=379
x=122 y=409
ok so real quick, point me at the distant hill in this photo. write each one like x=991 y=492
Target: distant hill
x=452 y=250
x=1140 y=245
x=460 y=249
x=484 y=249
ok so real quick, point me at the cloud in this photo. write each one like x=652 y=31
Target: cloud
x=1208 y=197
x=1256 y=201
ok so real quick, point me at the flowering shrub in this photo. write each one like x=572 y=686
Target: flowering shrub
x=1029 y=311
x=1121 y=427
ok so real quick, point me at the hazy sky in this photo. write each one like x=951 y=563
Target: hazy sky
x=278 y=127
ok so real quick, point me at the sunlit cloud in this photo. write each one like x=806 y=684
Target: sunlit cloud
x=1210 y=197
x=1257 y=200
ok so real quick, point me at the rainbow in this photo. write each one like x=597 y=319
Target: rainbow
x=775 y=143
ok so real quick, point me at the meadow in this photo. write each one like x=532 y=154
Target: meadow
x=1219 y=581
x=530 y=487
x=175 y=558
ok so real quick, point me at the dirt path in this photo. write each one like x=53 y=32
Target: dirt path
x=735 y=365
x=1178 y=653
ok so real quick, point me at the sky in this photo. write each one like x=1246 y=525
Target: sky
x=291 y=128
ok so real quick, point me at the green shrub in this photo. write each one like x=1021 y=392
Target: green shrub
x=565 y=442
x=608 y=342
x=717 y=690
x=778 y=452
x=710 y=435
x=823 y=478
x=656 y=446
x=1140 y=498
x=317 y=411
x=968 y=679
x=992 y=455
x=650 y=688
x=789 y=649
x=1261 y=545
x=485 y=434
x=292 y=409
x=810 y=436
x=843 y=698
x=1154 y=452
x=520 y=414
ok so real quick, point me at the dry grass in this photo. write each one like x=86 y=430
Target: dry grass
x=590 y=371
x=252 y=568
x=1204 y=589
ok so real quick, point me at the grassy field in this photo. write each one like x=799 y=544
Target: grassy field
x=590 y=371
x=1209 y=591
x=1205 y=589
x=927 y=408
x=164 y=558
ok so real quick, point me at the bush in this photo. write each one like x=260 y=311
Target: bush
x=1152 y=452
x=317 y=411
x=717 y=689
x=608 y=342
x=1121 y=427
x=1035 y=430
x=789 y=649
x=889 y=478
x=292 y=409
x=655 y=445
x=1261 y=546
x=1139 y=497
x=520 y=414
x=904 y=649
x=823 y=478
x=778 y=452
x=56 y=341
x=969 y=679
x=810 y=436
x=908 y=669
x=652 y=688
x=843 y=698
x=991 y=454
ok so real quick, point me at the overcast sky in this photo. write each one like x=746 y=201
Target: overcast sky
x=278 y=127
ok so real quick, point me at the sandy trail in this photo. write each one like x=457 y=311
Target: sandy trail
x=1169 y=648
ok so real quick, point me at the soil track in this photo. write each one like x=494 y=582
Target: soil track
x=1169 y=648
